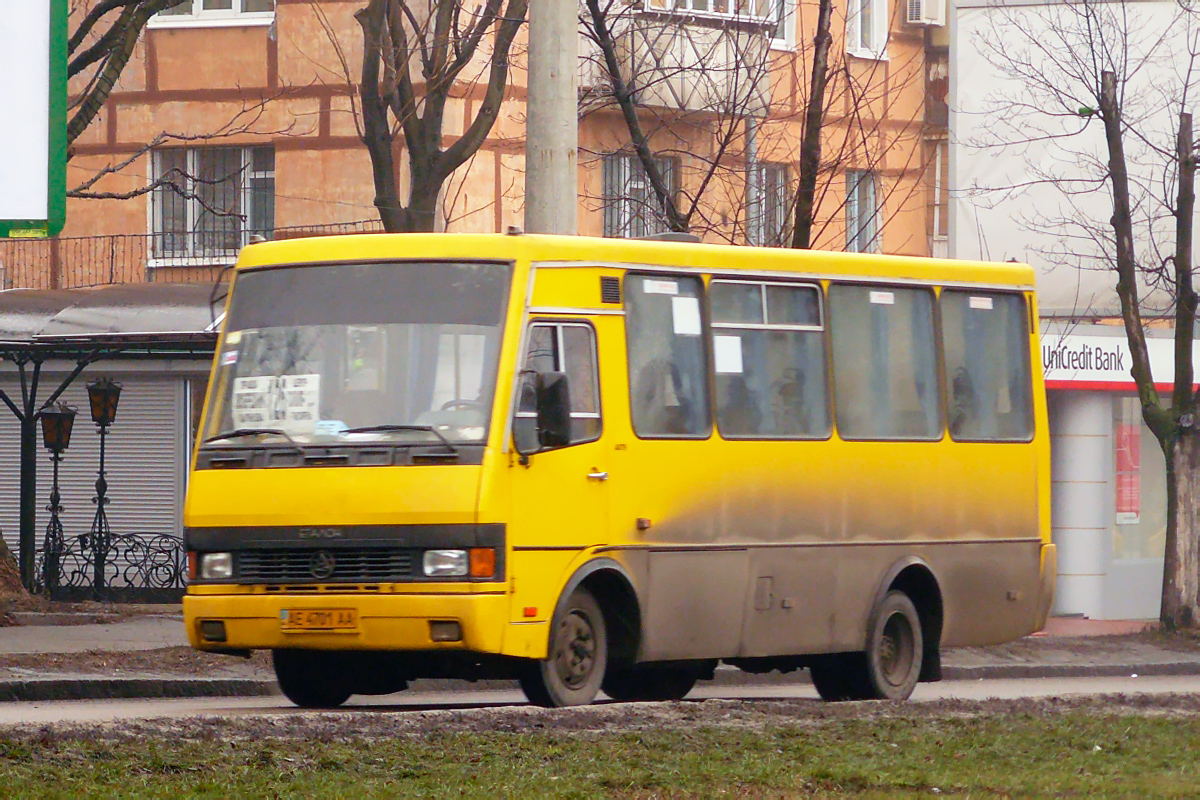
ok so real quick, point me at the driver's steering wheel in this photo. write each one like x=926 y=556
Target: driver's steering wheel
x=452 y=404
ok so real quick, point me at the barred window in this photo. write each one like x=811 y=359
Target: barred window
x=770 y=225
x=209 y=201
x=631 y=208
x=862 y=212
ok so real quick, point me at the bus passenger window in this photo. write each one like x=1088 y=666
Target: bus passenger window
x=989 y=391
x=569 y=348
x=885 y=381
x=769 y=358
x=668 y=387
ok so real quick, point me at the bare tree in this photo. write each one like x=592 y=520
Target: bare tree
x=1099 y=96
x=100 y=43
x=443 y=40
x=697 y=98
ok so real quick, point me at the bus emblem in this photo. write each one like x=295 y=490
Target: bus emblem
x=322 y=565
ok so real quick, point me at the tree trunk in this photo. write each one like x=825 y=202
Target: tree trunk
x=1181 y=570
x=810 y=140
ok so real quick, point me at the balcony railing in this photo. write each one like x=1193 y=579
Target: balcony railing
x=84 y=261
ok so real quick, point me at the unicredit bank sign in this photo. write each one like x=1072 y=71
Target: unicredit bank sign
x=1103 y=362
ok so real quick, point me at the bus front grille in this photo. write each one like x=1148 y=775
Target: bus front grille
x=352 y=564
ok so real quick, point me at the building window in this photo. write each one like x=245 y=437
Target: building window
x=631 y=208
x=867 y=28
x=862 y=212
x=230 y=12
x=939 y=190
x=774 y=206
x=209 y=201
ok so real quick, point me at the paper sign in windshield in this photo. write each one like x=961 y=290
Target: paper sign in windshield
x=685 y=313
x=289 y=403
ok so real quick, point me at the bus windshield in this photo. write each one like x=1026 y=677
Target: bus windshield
x=345 y=353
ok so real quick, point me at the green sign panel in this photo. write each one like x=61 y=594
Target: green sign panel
x=33 y=138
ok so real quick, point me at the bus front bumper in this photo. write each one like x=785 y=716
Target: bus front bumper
x=238 y=621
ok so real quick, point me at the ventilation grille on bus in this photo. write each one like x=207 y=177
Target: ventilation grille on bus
x=358 y=564
x=610 y=290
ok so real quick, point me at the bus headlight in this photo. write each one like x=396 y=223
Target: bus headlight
x=216 y=566
x=445 y=563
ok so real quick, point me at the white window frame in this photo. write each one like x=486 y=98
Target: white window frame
x=862 y=227
x=201 y=17
x=873 y=42
x=191 y=257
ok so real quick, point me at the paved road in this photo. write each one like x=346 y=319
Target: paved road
x=107 y=710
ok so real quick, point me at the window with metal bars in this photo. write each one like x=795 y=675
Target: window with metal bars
x=862 y=212
x=631 y=208
x=209 y=201
x=772 y=219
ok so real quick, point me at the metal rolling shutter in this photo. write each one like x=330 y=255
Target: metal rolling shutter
x=145 y=460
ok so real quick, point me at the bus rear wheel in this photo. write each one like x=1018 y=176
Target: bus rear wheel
x=891 y=664
x=311 y=678
x=572 y=673
x=647 y=683
x=895 y=648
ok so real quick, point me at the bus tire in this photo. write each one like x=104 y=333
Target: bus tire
x=895 y=648
x=649 y=684
x=838 y=676
x=572 y=673
x=311 y=678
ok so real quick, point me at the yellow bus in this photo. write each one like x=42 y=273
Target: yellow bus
x=613 y=465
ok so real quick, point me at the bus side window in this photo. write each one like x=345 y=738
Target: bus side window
x=667 y=364
x=885 y=381
x=769 y=359
x=988 y=382
x=560 y=347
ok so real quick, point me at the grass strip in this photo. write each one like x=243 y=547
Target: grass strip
x=1075 y=753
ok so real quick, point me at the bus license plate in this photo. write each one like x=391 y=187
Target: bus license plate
x=318 y=619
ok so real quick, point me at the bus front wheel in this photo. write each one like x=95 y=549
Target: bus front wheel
x=311 y=678
x=572 y=673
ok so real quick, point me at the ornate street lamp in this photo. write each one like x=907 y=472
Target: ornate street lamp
x=102 y=397
x=57 y=421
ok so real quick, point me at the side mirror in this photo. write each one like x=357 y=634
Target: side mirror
x=552 y=401
x=553 y=409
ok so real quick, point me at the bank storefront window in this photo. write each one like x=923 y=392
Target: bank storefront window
x=1139 y=485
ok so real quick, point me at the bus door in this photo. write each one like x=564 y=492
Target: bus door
x=559 y=496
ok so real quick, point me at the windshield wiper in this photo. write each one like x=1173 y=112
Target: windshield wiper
x=240 y=432
x=391 y=427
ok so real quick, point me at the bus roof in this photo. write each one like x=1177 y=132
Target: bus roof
x=585 y=250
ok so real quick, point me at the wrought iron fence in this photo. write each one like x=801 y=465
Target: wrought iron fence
x=86 y=261
x=136 y=567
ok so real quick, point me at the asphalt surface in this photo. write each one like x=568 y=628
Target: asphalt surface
x=1069 y=648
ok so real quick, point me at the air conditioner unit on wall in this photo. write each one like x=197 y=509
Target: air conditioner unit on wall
x=925 y=12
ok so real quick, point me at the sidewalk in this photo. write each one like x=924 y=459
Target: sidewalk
x=142 y=652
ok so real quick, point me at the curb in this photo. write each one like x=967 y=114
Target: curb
x=993 y=671
x=49 y=689
x=84 y=688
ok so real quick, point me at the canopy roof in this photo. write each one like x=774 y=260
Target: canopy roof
x=150 y=318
